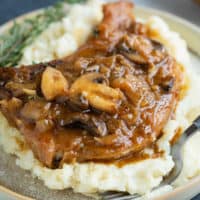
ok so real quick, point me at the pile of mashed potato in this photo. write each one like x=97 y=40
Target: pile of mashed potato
x=63 y=38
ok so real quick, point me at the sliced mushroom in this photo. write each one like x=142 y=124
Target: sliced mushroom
x=53 y=84
x=142 y=50
x=136 y=57
x=93 y=124
x=128 y=48
x=135 y=89
x=158 y=46
x=91 y=90
x=18 y=89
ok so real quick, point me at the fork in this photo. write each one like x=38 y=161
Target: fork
x=175 y=172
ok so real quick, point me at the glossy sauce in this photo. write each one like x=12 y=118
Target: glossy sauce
x=122 y=88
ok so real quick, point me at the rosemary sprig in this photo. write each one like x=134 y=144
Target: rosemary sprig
x=20 y=35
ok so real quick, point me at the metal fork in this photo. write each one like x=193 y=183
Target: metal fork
x=175 y=172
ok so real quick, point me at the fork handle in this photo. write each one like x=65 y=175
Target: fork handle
x=197 y=122
x=193 y=128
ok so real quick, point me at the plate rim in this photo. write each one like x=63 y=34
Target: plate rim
x=192 y=28
x=187 y=28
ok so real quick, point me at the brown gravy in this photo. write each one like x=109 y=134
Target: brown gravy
x=105 y=103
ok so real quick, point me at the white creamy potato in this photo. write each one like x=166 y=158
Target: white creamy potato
x=63 y=38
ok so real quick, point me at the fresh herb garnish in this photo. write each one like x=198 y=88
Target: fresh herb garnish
x=20 y=35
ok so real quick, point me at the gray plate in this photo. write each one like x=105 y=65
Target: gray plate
x=12 y=178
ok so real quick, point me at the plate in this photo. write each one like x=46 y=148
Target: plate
x=16 y=183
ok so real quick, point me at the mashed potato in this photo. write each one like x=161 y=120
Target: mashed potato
x=63 y=38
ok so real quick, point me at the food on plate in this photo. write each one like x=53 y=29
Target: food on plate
x=105 y=107
x=108 y=100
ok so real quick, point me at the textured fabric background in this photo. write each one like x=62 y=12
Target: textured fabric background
x=187 y=9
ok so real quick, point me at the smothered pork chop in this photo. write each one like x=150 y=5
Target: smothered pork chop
x=108 y=101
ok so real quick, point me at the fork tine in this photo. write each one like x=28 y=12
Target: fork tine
x=119 y=196
x=175 y=150
x=127 y=197
x=111 y=195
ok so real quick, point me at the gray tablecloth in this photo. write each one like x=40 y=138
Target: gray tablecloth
x=187 y=9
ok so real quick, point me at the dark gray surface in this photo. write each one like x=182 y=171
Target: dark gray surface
x=10 y=9
x=187 y=9
x=183 y=8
